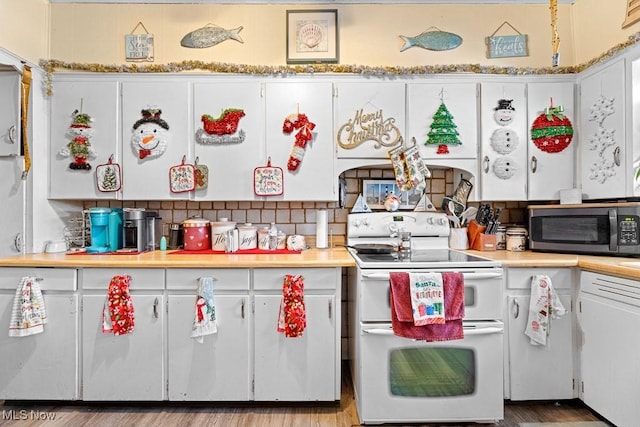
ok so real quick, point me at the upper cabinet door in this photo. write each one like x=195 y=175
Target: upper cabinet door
x=602 y=125
x=551 y=171
x=155 y=137
x=230 y=141
x=442 y=110
x=10 y=113
x=370 y=118
x=503 y=154
x=98 y=99
x=299 y=131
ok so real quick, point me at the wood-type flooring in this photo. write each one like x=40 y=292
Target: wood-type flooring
x=243 y=414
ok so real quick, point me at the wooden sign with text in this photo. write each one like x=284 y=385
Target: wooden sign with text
x=507 y=46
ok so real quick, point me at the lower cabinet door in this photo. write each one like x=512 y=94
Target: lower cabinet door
x=537 y=372
x=295 y=369
x=219 y=367
x=42 y=366
x=124 y=367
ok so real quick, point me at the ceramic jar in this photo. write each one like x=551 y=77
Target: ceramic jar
x=197 y=234
x=219 y=233
x=516 y=239
x=247 y=236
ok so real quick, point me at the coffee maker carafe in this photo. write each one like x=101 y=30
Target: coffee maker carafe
x=134 y=230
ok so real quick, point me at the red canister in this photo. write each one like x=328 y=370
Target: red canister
x=197 y=234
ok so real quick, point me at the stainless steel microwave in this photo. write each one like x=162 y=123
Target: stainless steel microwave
x=590 y=228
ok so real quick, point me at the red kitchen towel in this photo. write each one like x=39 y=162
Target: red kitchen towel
x=402 y=320
x=117 y=313
x=292 y=317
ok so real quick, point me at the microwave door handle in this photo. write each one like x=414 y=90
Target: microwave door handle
x=613 y=230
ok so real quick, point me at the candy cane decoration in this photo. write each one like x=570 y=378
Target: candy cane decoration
x=304 y=126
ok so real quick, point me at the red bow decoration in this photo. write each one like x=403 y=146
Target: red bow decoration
x=144 y=153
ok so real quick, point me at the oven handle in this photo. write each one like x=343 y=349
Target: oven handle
x=467 y=276
x=467 y=331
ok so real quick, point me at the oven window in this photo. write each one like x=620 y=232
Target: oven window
x=432 y=371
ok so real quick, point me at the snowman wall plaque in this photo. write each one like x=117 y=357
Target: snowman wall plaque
x=150 y=135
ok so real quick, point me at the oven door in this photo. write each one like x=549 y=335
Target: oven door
x=483 y=289
x=404 y=380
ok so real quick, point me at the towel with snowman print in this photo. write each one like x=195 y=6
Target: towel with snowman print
x=204 y=320
x=544 y=306
x=427 y=298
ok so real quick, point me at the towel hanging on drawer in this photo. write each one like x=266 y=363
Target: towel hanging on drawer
x=204 y=321
x=544 y=306
x=29 y=314
x=117 y=313
x=292 y=318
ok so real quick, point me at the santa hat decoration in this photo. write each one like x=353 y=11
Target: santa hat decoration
x=151 y=115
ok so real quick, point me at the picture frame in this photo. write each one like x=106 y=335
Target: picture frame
x=312 y=36
x=375 y=191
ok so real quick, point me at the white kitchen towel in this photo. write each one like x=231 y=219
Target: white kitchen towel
x=544 y=306
x=204 y=321
x=427 y=298
x=29 y=314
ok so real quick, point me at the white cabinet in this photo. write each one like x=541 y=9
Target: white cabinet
x=369 y=119
x=99 y=98
x=305 y=368
x=45 y=365
x=550 y=172
x=609 y=315
x=219 y=368
x=602 y=129
x=10 y=126
x=539 y=372
x=230 y=164
x=131 y=366
x=147 y=177
x=504 y=148
x=12 y=197
x=425 y=99
x=314 y=177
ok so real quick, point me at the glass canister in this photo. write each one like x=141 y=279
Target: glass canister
x=247 y=236
x=263 y=238
x=516 y=239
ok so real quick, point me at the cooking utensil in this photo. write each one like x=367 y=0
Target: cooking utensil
x=466 y=216
x=454 y=220
x=372 y=248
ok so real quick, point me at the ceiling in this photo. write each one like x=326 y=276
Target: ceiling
x=323 y=2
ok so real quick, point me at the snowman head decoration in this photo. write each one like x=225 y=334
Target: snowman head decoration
x=150 y=134
x=504 y=112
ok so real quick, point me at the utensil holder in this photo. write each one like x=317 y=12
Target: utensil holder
x=459 y=238
x=480 y=241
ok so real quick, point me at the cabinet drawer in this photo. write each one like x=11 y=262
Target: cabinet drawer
x=141 y=278
x=314 y=278
x=229 y=279
x=53 y=279
x=520 y=278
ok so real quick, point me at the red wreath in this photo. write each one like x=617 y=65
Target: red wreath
x=552 y=131
x=304 y=135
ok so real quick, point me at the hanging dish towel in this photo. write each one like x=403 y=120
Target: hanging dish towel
x=544 y=306
x=29 y=314
x=117 y=313
x=292 y=318
x=204 y=321
x=427 y=298
x=402 y=320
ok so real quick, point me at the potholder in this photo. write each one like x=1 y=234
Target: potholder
x=268 y=180
x=202 y=175
x=182 y=177
x=109 y=176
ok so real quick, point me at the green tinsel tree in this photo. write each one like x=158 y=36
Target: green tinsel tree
x=443 y=131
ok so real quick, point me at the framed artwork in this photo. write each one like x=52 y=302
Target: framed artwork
x=375 y=191
x=312 y=36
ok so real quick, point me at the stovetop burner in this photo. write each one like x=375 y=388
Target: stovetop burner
x=424 y=258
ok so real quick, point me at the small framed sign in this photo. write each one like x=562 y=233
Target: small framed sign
x=508 y=45
x=312 y=36
x=138 y=47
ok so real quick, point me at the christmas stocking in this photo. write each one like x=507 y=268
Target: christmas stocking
x=416 y=168
x=399 y=168
x=301 y=123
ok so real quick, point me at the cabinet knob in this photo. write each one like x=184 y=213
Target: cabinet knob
x=486 y=164
x=534 y=164
x=616 y=156
x=155 y=308
x=12 y=134
x=516 y=305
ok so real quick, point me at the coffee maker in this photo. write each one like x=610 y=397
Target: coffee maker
x=134 y=230
x=106 y=229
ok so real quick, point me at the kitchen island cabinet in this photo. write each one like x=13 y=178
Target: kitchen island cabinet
x=539 y=372
x=45 y=365
x=125 y=367
x=219 y=368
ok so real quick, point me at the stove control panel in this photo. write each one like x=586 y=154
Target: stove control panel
x=385 y=224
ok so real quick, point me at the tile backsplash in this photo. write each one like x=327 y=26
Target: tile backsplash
x=300 y=217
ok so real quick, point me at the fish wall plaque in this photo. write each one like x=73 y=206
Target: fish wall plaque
x=210 y=35
x=432 y=39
